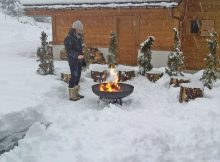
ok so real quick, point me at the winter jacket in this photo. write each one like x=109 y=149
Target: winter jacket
x=73 y=46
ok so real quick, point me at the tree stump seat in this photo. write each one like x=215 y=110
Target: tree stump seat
x=177 y=80
x=189 y=91
x=98 y=76
x=153 y=76
x=65 y=76
x=126 y=75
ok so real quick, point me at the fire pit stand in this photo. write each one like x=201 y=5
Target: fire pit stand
x=113 y=101
x=113 y=97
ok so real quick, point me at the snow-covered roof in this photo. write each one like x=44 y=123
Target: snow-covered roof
x=97 y=3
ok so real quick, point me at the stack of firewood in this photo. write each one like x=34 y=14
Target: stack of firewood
x=63 y=54
x=99 y=76
x=96 y=56
x=153 y=76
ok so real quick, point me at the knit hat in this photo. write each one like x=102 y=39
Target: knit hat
x=77 y=25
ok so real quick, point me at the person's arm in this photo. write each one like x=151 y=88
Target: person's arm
x=80 y=56
x=69 y=44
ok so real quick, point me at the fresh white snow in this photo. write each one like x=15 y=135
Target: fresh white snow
x=87 y=1
x=154 y=72
x=58 y=4
x=151 y=126
x=179 y=77
x=193 y=85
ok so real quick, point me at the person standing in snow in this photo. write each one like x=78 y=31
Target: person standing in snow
x=73 y=46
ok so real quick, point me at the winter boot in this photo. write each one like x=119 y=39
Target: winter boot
x=79 y=95
x=73 y=93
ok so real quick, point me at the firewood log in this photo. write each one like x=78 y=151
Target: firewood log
x=189 y=91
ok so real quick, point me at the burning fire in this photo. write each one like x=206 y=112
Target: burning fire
x=112 y=85
x=109 y=87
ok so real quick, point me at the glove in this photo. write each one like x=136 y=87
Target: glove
x=84 y=63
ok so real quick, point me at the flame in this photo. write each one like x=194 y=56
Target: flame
x=109 y=87
x=112 y=85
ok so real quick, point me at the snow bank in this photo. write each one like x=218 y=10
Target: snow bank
x=18 y=75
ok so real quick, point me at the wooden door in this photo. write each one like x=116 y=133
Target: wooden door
x=125 y=29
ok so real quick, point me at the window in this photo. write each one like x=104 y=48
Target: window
x=195 y=26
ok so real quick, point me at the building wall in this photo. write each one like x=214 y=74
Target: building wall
x=133 y=26
x=194 y=45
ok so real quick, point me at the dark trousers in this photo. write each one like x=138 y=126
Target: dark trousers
x=75 y=69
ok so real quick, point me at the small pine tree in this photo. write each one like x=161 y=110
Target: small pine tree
x=209 y=75
x=175 y=58
x=50 y=64
x=41 y=53
x=112 y=56
x=85 y=53
x=144 y=59
x=46 y=65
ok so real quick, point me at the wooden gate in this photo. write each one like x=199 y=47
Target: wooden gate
x=125 y=29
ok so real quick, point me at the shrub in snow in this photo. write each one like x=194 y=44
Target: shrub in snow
x=112 y=56
x=85 y=54
x=209 y=75
x=46 y=65
x=144 y=59
x=12 y=7
x=175 y=58
x=87 y=57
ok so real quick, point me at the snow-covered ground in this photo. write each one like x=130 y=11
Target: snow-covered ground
x=151 y=126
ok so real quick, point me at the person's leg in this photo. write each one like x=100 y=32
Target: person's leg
x=79 y=72
x=73 y=88
x=79 y=75
x=74 y=73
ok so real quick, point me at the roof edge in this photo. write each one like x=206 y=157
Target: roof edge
x=159 y=4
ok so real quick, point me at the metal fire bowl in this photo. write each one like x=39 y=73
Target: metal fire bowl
x=126 y=90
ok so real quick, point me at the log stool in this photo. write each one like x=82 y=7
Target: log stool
x=177 y=80
x=65 y=76
x=153 y=76
x=99 y=76
x=126 y=75
x=189 y=91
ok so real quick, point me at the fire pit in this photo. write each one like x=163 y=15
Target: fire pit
x=112 y=90
x=116 y=94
